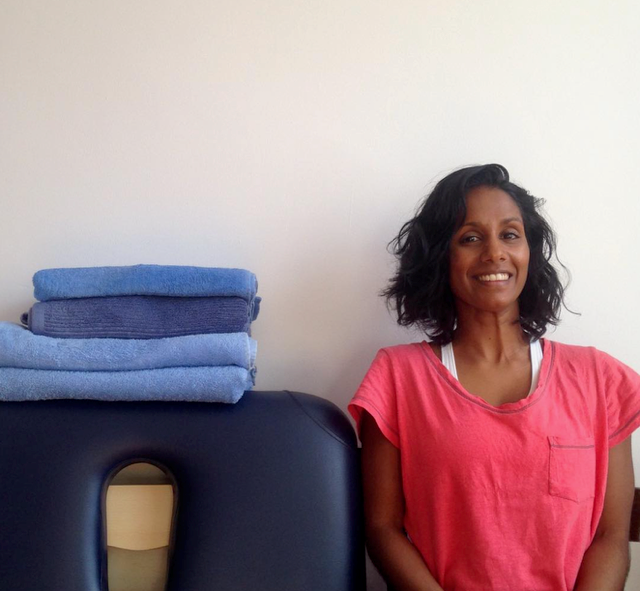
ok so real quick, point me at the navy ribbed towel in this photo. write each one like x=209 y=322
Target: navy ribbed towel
x=141 y=317
x=162 y=280
x=192 y=384
x=20 y=348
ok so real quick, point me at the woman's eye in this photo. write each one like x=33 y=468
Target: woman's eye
x=468 y=239
x=511 y=235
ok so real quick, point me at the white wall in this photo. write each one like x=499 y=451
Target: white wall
x=293 y=139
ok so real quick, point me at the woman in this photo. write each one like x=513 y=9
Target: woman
x=493 y=460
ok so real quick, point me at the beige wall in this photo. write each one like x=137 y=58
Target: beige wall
x=293 y=138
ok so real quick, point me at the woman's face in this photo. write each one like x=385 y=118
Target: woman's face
x=489 y=253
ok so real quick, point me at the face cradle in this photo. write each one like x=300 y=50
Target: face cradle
x=489 y=253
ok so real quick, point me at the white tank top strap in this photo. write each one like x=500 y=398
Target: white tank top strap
x=448 y=360
x=535 y=351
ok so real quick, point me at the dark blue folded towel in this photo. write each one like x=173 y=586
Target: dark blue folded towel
x=159 y=280
x=141 y=317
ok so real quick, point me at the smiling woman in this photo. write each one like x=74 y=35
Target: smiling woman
x=489 y=254
x=530 y=439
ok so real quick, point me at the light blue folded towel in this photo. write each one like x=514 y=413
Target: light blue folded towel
x=192 y=384
x=161 y=280
x=20 y=348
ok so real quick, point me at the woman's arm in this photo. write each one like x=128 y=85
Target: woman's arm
x=394 y=556
x=606 y=563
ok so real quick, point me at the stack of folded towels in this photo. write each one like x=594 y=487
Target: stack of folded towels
x=145 y=332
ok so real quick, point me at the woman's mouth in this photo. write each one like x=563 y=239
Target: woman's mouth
x=494 y=277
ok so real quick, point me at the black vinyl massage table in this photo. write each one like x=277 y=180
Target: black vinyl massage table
x=267 y=492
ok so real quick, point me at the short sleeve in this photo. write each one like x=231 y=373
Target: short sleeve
x=622 y=391
x=377 y=395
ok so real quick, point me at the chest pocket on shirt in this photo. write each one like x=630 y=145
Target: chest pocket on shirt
x=572 y=468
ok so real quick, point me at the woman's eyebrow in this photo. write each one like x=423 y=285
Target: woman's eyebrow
x=504 y=221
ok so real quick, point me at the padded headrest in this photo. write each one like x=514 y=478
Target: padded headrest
x=268 y=492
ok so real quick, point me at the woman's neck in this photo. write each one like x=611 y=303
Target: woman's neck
x=492 y=338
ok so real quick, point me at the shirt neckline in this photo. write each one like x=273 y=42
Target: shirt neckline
x=548 y=357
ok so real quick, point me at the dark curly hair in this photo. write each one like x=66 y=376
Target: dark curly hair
x=420 y=292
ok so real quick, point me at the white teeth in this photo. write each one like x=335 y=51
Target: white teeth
x=496 y=277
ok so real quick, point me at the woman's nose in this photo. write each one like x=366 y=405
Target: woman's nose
x=493 y=250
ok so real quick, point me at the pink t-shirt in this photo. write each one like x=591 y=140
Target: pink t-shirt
x=502 y=498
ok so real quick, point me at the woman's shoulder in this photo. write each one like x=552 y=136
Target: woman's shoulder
x=417 y=359
x=578 y=351
x=570 y=350
x=407 y=351
x=588 y=356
